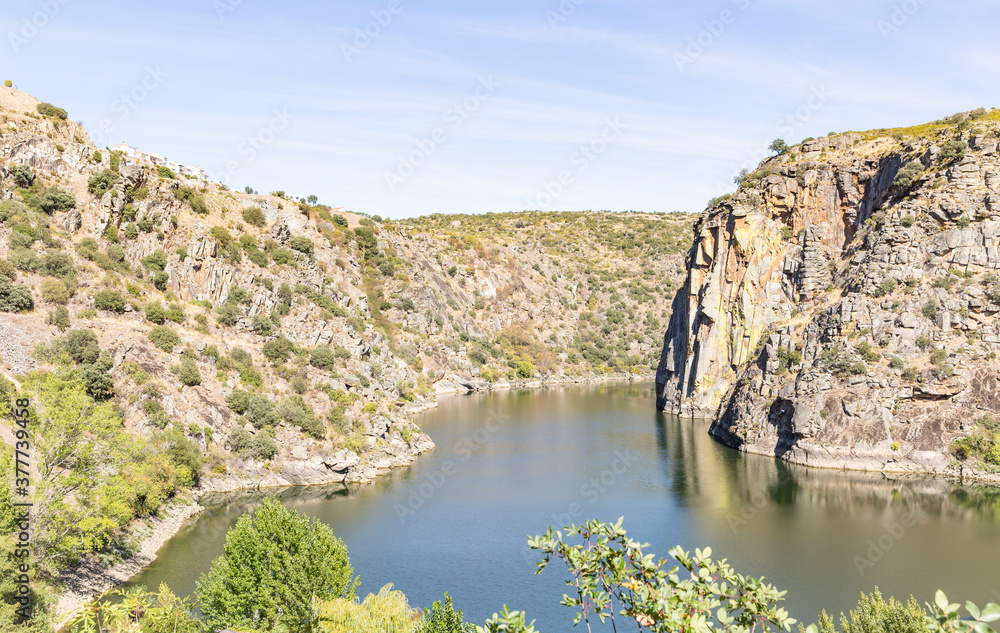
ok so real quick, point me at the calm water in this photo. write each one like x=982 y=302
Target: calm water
x=511 y=464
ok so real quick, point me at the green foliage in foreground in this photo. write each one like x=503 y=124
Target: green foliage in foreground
x=610 y=569
x=138 y=611
x=275 y=563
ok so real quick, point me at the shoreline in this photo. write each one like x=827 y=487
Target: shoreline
x=925 y=463
x=91 y=579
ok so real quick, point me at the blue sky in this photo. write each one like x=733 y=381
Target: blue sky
x=468 y=107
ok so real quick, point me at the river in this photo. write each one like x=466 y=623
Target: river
x=511 y=464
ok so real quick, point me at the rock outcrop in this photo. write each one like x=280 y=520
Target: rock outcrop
x=839 y=313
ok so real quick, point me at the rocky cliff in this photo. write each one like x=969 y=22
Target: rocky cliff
x=839 y=308
x=345 y=324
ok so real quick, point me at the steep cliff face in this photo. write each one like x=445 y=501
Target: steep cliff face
x=839 y=308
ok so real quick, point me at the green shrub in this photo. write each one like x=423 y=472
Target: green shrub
x=887 y=287
x=260 y=412
x=238 y=440
x=55 y=199
x=54 y=291
x=99 y=183
x=189 y=374
x=444 y=619
x=109 y=300
x=931 y=310
x=238 y=401
x=164 y=338
x=59 y=318
x=156 y=261
x=48 y=109
x=160 y=280
x=874 y=615
x=525 y=370
x=279 y=350
x=261 y=447
x=262 y=325
x=254 y=216
x=155 y=313
x=22 y=175
x=385 y=612
x=907 y=221
x=907 y=176
x=323 y=358
x=131 y=231
x=164 y=172
x=896 y=362
x=296 y=412
x=282 y=256
x=953 y=151
x=228 y=314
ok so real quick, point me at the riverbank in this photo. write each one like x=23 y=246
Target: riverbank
x=91 y=579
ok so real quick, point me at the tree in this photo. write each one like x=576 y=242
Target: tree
x=274 y=564
x=778 y=146
x=79 y=445
x=609 y=568
x=387 y=612
x=228 y=314
x=279 y=350
x=238 y=400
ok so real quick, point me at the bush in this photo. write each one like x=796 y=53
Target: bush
x=189 y=374
x=953 y=151
x=274 y=564
x=386 y=612
x=260 y=412
x=907 y=221
x=301 y=244
x=164 y=172
x=931 y=310
x=59 y=318
x=55 y=199
x=23 y=259
x=164 y=338
x=238 y=401
x=323 y=358
x=896 y=362
x=254 y=216
x=156 y=261
x=279 y=350
x=110 y=300
x=155 y=313
x=131 y=231
x=887 y=287
x=238 y=439
x=262 y=325
x=261 y=447
x=54 y=291
x=525 y=370
x=444 y=619
x=296 y=412
x=99 y=183
x=48 y=109
x=907 y=176
x=387 y=268
x=874 y=614
x=80 y=345
x=228 y=314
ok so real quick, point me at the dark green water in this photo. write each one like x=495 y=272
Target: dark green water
x=511 y=464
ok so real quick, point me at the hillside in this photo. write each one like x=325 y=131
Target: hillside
x=840 y=308
x=257 y=340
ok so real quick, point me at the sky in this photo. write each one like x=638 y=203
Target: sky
x=401 y=108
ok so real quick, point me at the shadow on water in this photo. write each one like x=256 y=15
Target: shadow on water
x=823 y=535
